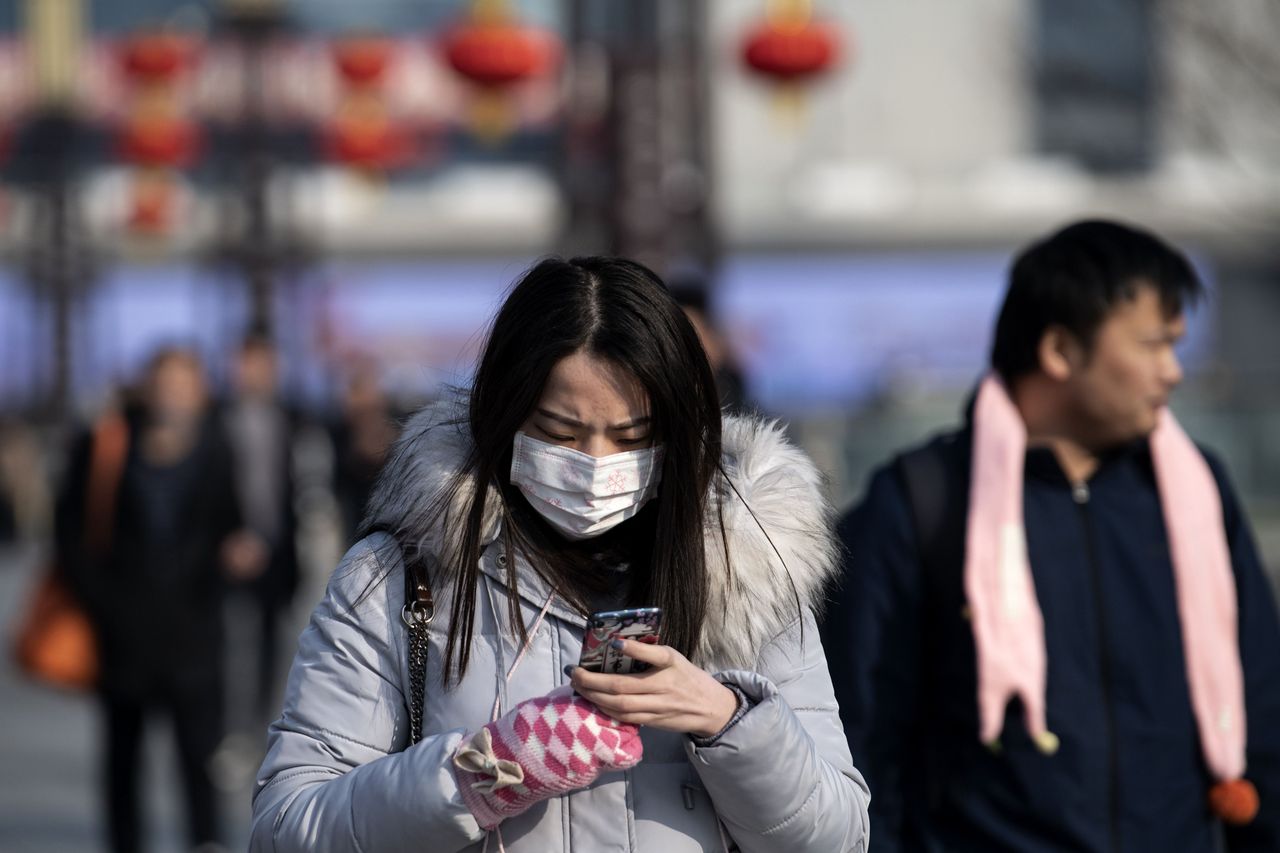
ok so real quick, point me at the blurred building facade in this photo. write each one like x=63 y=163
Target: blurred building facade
x=875 y=203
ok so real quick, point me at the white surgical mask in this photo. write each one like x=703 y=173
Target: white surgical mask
x=581 y=495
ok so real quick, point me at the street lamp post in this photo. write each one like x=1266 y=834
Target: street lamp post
x=49 y=146
x=252 y=244
x=635 y=169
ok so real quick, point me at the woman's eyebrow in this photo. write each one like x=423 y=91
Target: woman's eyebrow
x=564 y=419
x=574 y=422
x=638 y=422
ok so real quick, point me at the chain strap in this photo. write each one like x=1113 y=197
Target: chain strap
x=419 y=609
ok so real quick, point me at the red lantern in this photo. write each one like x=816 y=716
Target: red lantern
x=500 y=53
x=372 y=143
x=362 y=60
x=791 y=51
x=156 y=57
x=160 y=141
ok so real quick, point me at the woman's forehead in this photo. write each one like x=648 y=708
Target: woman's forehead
x=589 y=388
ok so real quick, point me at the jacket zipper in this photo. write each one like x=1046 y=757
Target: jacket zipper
x=1080 y=494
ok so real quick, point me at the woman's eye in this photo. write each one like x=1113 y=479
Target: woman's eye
x=633 y=441
x=554 y=437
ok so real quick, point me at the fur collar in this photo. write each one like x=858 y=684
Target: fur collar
x=749 y=605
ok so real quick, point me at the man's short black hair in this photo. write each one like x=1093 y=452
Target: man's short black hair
x=1073 y=279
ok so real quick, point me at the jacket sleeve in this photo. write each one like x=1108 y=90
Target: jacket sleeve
x=872 y=633
x=337 y=776
x=781 y=778
x=1260 y=657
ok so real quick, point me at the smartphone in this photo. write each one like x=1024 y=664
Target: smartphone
x=642 y=624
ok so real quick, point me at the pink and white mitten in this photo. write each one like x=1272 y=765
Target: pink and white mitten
x=542 y=748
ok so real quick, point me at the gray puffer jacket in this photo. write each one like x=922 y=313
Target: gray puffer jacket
x=339 y=774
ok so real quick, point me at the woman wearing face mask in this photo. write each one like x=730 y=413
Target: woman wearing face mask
x=588 y=469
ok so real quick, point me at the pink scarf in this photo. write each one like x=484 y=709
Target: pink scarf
x=1008 y=629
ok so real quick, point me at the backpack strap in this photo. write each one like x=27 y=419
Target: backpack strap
x=924 y=475
x=936 y=480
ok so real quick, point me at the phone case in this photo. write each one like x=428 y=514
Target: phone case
x=642 y=624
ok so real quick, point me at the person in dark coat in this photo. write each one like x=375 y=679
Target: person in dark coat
x=1052 y=698
x=153 y=589
x=691 y=292
x=263 y=432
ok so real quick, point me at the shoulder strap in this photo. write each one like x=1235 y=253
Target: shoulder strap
x=416 y=614
x=924 y=477
x=419 y=609
x=935 y=478
x=937 y=491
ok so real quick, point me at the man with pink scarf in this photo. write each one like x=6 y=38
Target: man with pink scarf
x=1053 y=631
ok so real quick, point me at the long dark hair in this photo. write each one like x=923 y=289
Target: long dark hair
x=619 y=311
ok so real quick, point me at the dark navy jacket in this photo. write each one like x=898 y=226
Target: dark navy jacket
x=1128 y=775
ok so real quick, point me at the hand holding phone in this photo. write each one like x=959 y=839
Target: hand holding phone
x=683 y=698
x=642 y=624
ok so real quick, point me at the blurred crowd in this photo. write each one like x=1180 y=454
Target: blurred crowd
x=175 y=516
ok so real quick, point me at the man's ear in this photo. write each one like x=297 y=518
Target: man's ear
x=1060 y=353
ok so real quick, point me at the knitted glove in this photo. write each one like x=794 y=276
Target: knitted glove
x=543 y=748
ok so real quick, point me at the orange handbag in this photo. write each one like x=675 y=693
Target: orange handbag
x=55 y=643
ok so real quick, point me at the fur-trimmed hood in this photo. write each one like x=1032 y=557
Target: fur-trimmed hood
x=776 y=489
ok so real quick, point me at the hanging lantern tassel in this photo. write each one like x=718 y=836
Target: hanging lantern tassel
x=490 y=116
x=790 y=105
x=154 y=202
x=1235 y=801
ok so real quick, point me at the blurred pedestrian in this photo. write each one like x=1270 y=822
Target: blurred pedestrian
x=262 y=431
x=25 y=502
x=361 y=435
x=11 y=452
x=691 y=294
x=153 y=593
x=1053 y=626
